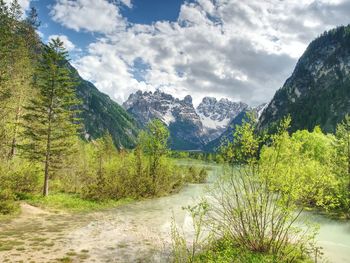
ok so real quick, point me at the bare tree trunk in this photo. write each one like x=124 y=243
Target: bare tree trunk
x=48 y=144
x=47 y=160
x=46 y=180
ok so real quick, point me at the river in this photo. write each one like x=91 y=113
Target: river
x=136 y=232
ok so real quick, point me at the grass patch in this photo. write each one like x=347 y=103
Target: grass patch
x=38 y=239
x=9 y=245
x=14 y=213
x=65 y=260
x=72 y=203
x=83 y=256
x=224 y=252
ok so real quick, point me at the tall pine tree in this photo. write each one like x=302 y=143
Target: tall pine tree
x=50 y=121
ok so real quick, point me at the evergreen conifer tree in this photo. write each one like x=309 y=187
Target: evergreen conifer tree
x=50 y=121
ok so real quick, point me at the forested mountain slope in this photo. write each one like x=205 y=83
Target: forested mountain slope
x=100 y=114
x=318 y=92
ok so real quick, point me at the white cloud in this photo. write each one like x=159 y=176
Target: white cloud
x=25 y=4
x=225 y=48
x=69 y=46
x=127 y=3
x=40 y=34
x=91 y=15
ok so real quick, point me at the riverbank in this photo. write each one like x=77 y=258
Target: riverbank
x=138 y=231
x=134 y=232
x=73 y=203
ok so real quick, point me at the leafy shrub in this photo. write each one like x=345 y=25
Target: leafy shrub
x=196 y=174
x=19 y=176
x=7 y=202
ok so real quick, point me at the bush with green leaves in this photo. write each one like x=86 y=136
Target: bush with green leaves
x=253 y=206
x=103 y=172
x=7 y=202
x=342 y=162
x=196 y=174
x=302 y=166
x=186 y=249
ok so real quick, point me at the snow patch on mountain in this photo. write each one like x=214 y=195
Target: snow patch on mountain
x=216 y=115
x=207 y=122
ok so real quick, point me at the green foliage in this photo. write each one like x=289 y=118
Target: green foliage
x=16 y=70
x=7 y=202
x=104 y=173
x=20 y=176
x=72 y=203
x=223 y=251
x=50 y=122
x=342 y=161
x=154 y=142
x=245 y=145
x=302 y=167
x=255 y=204
x=182 y=250
x=180 y=154
x=257 y=217
x=196 y=174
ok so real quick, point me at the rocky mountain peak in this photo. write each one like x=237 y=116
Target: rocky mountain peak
x=217 y=114
x=221 y=110
x=179 y=115
x=188 y=100
x=189 y=127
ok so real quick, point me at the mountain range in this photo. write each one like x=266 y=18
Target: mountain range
x=190 y=128
x=317 y=93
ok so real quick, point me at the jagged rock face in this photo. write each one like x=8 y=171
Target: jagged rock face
x=318 y=92
x=179 y=115
x=190 y=128
x=217 y=115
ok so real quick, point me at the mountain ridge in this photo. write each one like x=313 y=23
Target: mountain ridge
x=318 y=91
x=190 y=128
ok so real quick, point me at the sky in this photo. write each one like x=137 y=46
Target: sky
x=237 y=49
